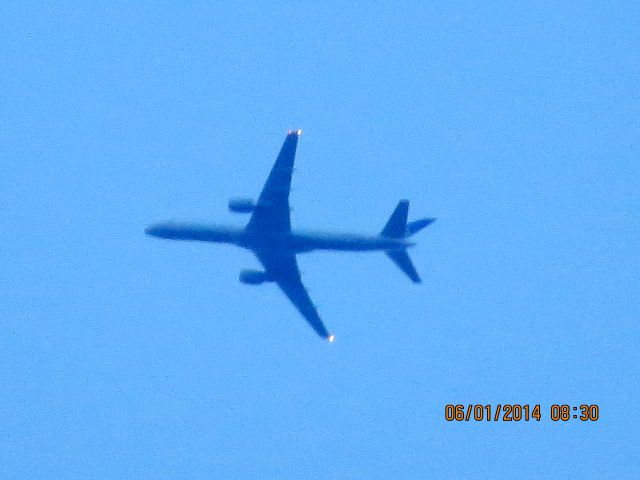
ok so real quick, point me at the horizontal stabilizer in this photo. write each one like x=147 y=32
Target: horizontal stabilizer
x=402 y=260
x=417 y=225
x=397 y=223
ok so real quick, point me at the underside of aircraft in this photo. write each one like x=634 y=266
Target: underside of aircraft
x=269 y=235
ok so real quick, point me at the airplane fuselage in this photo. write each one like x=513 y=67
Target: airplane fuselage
x=293 y=241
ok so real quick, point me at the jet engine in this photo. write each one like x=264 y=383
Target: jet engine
x=253 y=277
x=241 y=205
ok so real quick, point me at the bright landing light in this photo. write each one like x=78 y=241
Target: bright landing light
x=331 y=338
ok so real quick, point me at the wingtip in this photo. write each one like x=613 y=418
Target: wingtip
x=331 y=338
x=297 y=132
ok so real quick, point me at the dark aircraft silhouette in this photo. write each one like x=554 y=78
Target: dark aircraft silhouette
x=268 y=234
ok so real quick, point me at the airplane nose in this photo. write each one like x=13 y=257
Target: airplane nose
x=152 y=230
x=165 y=230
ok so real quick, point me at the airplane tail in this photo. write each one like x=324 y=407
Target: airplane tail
x=398 y=227
x=403 y=261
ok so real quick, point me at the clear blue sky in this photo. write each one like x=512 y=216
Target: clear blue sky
x=515 y=124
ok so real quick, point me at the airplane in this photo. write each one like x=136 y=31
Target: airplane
x=269 y=235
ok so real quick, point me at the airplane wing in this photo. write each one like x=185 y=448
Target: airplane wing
x=283 y=268
x=272 y=212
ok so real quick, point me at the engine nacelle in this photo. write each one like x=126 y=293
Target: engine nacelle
x=241 y=205
x=253 y=277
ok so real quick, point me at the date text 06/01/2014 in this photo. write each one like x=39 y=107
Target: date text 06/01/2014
x=519 y=412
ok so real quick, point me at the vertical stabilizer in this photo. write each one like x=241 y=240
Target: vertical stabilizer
x=417 y=225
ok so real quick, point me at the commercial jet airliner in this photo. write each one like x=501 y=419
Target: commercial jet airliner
x=269 y=235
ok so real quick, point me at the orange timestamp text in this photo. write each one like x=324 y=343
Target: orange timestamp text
x=514 y=412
